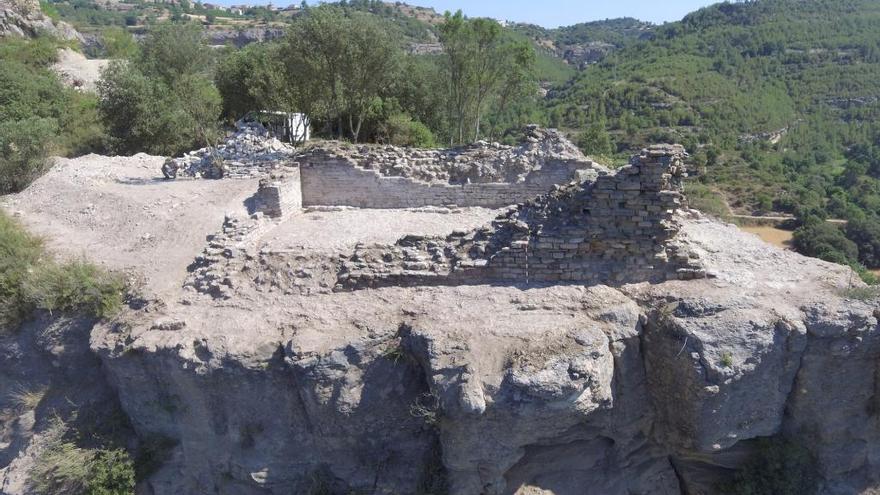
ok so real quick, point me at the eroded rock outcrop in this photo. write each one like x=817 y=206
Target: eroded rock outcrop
x=25 y=18
x=265 y=379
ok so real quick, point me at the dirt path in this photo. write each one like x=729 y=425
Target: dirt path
x=77 y=71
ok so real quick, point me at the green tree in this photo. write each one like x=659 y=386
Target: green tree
x=481 y=65
x=594 y=140
x=119 y=43
x=865 y=233
x=162 y=101
x=826 y=241
x=170 y=52
x=371 y=60
x=339 y=66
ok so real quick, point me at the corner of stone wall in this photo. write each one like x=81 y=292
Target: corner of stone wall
x=279 y=194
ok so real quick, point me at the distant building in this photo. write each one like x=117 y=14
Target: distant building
x=289 y=127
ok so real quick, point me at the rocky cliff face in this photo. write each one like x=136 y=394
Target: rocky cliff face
x=285 y=385
x=510 y=390
x=242 y=37
x=25 y=18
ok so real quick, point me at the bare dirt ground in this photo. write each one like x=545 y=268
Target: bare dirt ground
x=119 y=212
x=78 y=71
x=342 y=230
x=772 y=235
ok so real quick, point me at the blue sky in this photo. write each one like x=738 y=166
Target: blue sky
x=553 y=13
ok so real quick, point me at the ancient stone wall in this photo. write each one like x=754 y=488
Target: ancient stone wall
x=617 y=229
x=484 y=174
x=279 y=195
x=332 y=181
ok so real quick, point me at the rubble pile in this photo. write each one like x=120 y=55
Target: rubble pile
x=250 y=152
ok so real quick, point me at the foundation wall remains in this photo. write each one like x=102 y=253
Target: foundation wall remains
x=483 y=174
x=618 y=229
x=279 y=194
x=332 y=181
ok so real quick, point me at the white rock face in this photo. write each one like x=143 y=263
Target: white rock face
x=25 y=18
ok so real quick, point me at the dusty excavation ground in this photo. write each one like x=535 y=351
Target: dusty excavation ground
x=283 y=383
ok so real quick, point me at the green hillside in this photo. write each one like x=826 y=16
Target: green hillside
x=777 y=100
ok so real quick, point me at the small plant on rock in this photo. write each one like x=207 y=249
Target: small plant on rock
x=726 y=359
x=861 y=293
x=64 y=468
x=28 y=399
x=427 y=408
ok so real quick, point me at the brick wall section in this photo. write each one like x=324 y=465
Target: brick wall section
x=279 y=195
x=617 y=229
x=483 y=174
x=329 y=180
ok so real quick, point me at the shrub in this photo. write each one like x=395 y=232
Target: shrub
x=861 y=293
x=112 y=473
x=29 y=280
x=36 y=53
x=63 y=468
x=778 y=466
x=826 y=241
x=75 y=286
x=82 y=131
x=401 y=130
x=28 y=399
x=50 y=11
x=119 y=43
x=19 y=253
x=707 y=200
x=38 y=116
x=865 y=233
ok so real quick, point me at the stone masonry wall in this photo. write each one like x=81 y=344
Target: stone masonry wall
x=331 y=181
x=619 y=228
x=484 y=174
x=279 y=195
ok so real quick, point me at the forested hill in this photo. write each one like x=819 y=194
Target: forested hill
x=778 y=99
x=583 y=44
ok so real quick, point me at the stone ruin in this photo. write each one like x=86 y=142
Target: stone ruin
x=277 y=194
x=617 y=229
x=484 y=174
x=590 y=226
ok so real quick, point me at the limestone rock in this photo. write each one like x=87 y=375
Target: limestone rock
x=25 y=18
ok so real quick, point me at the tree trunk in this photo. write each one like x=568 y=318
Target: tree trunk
x=355 y=129
x=477 y=130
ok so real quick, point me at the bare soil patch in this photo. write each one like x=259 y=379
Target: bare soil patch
x=772 y=235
